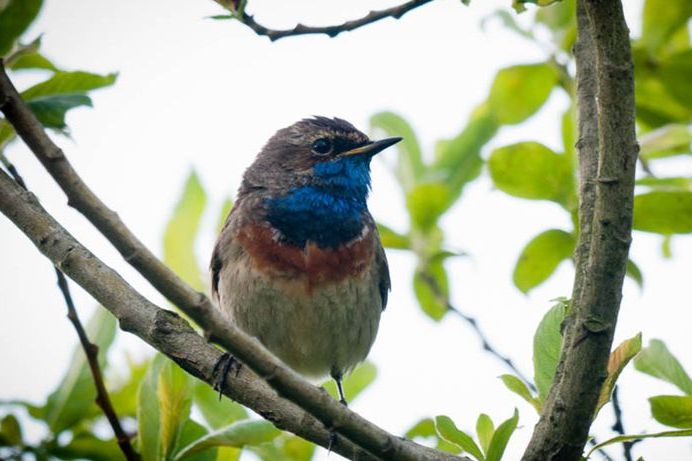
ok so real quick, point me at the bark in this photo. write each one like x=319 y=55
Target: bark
x=607 y=150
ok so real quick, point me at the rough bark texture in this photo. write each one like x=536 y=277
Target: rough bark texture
x=169 y=333
x=607 y=154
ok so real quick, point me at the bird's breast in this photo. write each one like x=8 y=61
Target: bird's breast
x=311 y=263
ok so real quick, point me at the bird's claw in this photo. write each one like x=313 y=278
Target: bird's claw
x=223 y=366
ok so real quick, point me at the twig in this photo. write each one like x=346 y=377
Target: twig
x=607 y=149
x=90 y=349
x=619 y=427
x=299 y=407
x=442 y=299
x=395 y=12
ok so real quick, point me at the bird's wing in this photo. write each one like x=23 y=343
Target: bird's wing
x=223 y=243
x=384 y=283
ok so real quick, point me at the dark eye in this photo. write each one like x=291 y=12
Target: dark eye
x=322 y=146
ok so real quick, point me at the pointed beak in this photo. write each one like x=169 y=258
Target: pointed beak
x=373 y=147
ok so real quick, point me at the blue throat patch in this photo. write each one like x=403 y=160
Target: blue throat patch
x=329 y=210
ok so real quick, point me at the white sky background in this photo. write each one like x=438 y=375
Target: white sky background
x=203 y=94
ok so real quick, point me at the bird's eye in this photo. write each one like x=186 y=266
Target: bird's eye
x=322 y=146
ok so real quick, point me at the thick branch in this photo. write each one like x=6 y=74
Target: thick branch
x=332 y=31
x=170 y=334
x=607 y=155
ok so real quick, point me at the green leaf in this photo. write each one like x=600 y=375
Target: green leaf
x=7 y=133
x=629 y=438
x=68 y=83
x=392 y=239
x=541 y=256
x=531 y=170
x=663 y=212
x=635 y=273
x=15 y=17
x=88 y=446
x=672 y=410
x=50 y=110
x=617 y=361
x=425 y=203
x=429 y=300
x=665 y=247
x=447 y=430
x=217 y=413
x=656 y=360
x=559 y=15
x=458 y=160
x=354 y=383
x=518 y=386
x=425 y=428
x=501 y=436
x=409 y=165
x=175 y=399
x=675 y=75
x=547 y=343
x=519 y=91
x=70 y=402
x=485 y=430
x=190 y=433
x=10 y=431
x=668 y=140
x=669 y=184
x=33 y=60
x=655 y=105
x=238 y=434
x=148 y=412
x=124 y=396
x=181 y=233
x=661 y=18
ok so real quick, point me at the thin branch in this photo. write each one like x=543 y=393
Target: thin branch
x=395 y=12
x=607 y=149
x=619 y=427
x=284 y=403
x=90 y=349
x=485 y=342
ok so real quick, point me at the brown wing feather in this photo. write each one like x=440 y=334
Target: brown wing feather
x=385 y=283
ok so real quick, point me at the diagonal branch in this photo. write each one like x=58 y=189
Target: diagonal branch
x=607 y=155
x=395 y=12
x=485 y=342
x=282 y=403
x=91 y=350
x=83 y=199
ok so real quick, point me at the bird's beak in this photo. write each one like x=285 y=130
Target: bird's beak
x=373 y=147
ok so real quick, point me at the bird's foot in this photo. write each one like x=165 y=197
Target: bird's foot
x=223 y=366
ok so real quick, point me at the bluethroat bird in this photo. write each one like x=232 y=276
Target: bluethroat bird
x=299 y=263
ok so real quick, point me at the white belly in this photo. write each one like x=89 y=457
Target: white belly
x=320 y=331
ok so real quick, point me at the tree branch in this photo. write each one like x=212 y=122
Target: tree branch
x=607 y=149
x=173 y=336
x=395 y=12
x=441 y=298
x=91 y=350
x=619 y=427
x=83 y=199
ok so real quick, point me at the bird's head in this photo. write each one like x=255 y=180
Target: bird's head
x=324 y=153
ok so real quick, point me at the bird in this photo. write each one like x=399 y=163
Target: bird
x=299 y=263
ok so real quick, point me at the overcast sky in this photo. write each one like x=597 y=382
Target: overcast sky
x=203 y=94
